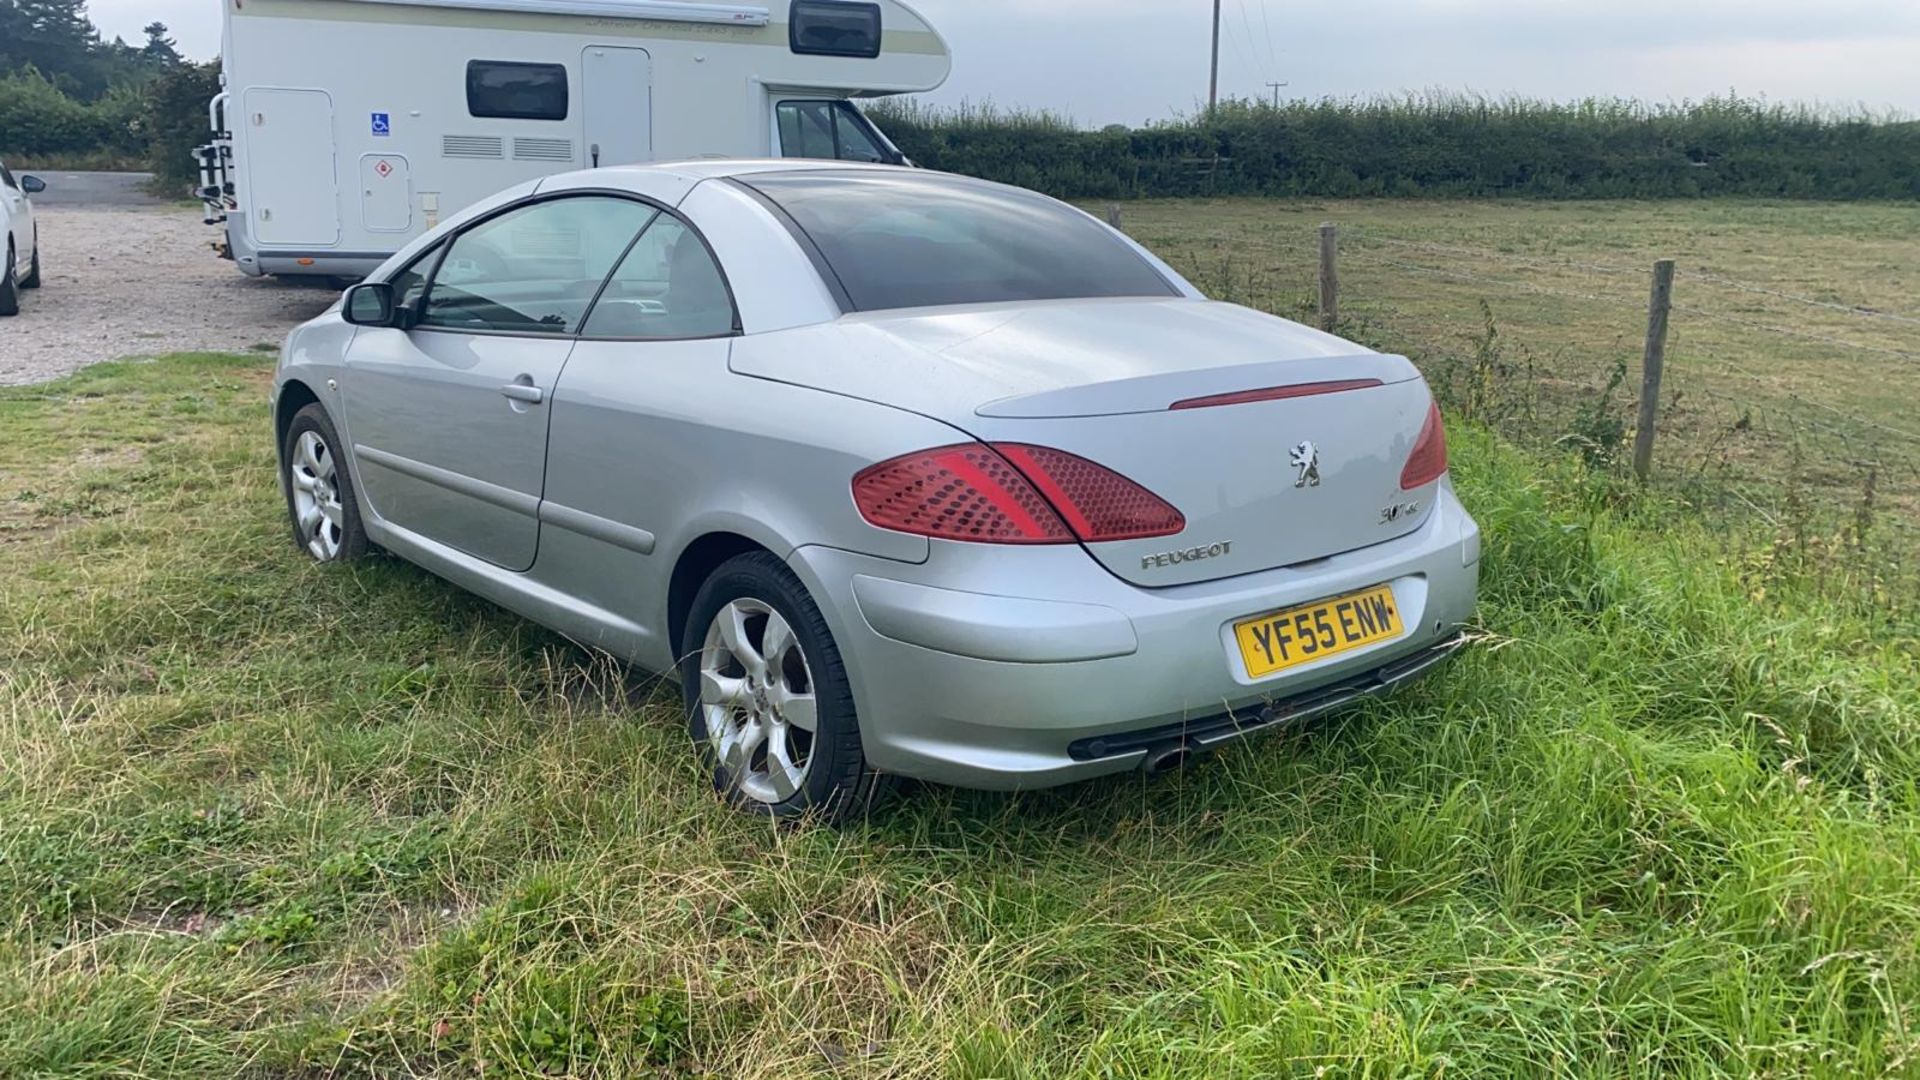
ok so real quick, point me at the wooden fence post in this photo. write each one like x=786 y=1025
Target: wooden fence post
x=1113 y=214
x=1652 y=362
x=1329 y=277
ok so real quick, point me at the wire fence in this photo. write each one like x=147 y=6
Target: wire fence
x=1793 y=410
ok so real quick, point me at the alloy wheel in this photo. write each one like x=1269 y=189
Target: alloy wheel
x=756 y=696
x=316 y=496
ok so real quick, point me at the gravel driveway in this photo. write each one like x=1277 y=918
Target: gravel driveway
x=126 y=281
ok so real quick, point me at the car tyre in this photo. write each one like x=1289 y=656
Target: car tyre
x=9 y=289
x=32 y=280
x=321 y=503
x=758 y=665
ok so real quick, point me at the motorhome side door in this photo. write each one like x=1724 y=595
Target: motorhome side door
x=289 y=176
x=616 y=86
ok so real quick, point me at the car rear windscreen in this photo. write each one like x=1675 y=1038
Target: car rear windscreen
x=896 y=239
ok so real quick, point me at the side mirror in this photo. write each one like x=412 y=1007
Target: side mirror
x=369 y=304
x=32 y=185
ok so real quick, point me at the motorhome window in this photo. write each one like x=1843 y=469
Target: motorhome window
x=806 y=129
x=832 y=130
x=532 y=270
x=511 y=90
x=834 y=28
x=668 y=287
x=900 y=238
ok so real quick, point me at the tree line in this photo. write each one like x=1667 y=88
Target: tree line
x=69 y=96
x=1435 y=144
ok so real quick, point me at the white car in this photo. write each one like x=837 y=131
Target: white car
x=21 y=267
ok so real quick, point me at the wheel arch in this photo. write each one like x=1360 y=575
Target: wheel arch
x=294 y=396
x=697 y=562
x=10 y=273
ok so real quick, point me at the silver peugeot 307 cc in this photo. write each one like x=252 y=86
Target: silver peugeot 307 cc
x=906 y=473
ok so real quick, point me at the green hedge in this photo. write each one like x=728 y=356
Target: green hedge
x=1434 y=145
x=157 y=124
x=37 y=120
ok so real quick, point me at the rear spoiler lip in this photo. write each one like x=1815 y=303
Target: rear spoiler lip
x=1159 y=392
x=1281 y=392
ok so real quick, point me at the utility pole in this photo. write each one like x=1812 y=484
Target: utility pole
x=1213 y=80
x=1275 y=87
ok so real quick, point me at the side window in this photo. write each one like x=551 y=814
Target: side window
x=829 y=130
x=410 y=283
x=534 y=269
x=511 y=90
x=668 y=286
x=6 y=178
x=850 y=138
x=806 y=129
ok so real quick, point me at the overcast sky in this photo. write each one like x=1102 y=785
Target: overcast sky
x=1102 y=61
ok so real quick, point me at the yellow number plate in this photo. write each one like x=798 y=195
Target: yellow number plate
x=1301 y=635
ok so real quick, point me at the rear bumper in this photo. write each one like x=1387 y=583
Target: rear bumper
x=1018 y=668
x=348 y=264
x=1208 y=733
x=256 y=261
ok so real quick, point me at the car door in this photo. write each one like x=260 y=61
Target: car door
x=18 y=215
x=631 y=421
x=448 y=411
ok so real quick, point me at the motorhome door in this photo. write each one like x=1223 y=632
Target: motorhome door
x=617 y=85
x=289 y=168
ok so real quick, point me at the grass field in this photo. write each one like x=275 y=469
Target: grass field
x=1794 y=352
x=259 y=817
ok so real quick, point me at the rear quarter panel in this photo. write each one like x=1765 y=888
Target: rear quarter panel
x=662 y=442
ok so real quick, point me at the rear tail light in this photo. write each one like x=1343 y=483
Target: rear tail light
x=964 y=492
x=1098 y=503
x=1429 y=458
x=1009 y=493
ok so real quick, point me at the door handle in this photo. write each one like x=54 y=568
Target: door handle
x=532 y=395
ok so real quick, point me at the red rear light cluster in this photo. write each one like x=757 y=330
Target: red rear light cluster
x=964 y=492
x=1098 y=503
x=1009 y=493
x=1428 y=462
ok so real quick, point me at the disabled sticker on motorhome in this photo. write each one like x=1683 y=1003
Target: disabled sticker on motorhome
x=381 y=125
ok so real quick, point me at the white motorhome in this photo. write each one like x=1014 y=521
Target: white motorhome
x=347 y=127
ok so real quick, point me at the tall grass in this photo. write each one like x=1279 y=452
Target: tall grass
x=1433 y=144
x=259 y=817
